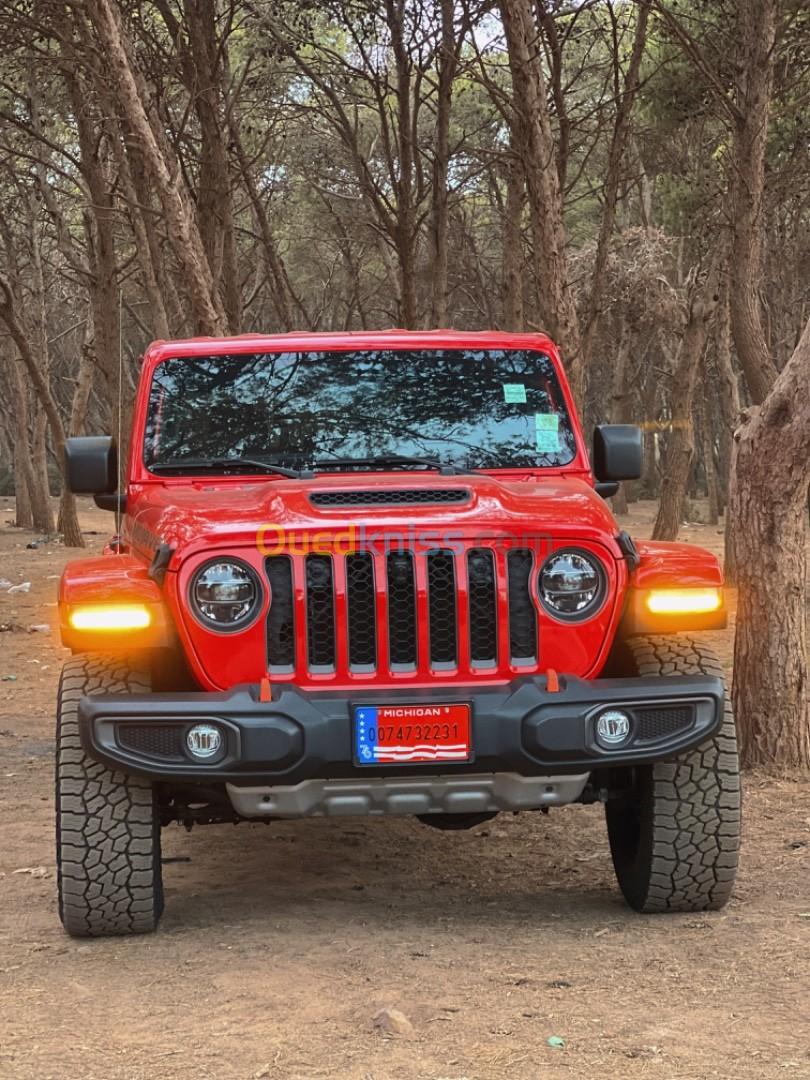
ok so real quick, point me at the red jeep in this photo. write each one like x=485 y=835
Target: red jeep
x=370 y=574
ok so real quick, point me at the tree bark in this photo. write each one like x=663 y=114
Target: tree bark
x=184 y=234
x=447 y=64
x=615 y=165
x=405 y=233
x=530 y=103
x=703 y=415
x=680 y=444
x=24 y=483
x=757 y=22
x=512 y=250
x=767 y=517
x=72 y=533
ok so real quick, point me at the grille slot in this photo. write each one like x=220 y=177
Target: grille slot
x=483 y=607
x=659 y=722
x=154 y=740
x=280 y=619
x=442 y=607
x=320 y=612
x=401 y=609
x=390 y=497
x=522 y=614
x=361 y=615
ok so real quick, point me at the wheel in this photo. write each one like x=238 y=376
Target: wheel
x=675 y=831
x=107 y=823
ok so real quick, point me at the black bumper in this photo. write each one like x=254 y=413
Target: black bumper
x=520 y=728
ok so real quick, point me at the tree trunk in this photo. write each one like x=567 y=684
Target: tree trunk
x=757 y=23
x=441 y=160
x=405 y=236
x=24 y=483
x=280 y=291
x=39 y=381
x=530 y=103
x=512 y=256
x=41 y=491
x=214 y=199
x=184 y=234
x=768 y=519
x=613 y=175
x=680 y=444
x=703 y=413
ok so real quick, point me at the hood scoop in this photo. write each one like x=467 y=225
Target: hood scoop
x=385 y=496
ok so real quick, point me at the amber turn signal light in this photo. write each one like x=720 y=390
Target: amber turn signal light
x=110 y=617
x=684 y=601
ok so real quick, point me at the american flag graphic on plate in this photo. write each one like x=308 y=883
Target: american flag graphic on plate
x=408 y=734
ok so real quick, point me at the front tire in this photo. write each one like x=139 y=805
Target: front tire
x=107 y=822
x=675 y=830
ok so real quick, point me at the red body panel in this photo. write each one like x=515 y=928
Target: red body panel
x=112 y=579
x=199 y=517
x=668 y=564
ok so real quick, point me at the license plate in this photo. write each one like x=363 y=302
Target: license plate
x=407 y=734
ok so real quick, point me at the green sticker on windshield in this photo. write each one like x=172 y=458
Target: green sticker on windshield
x=547 y=433
x=514 y=393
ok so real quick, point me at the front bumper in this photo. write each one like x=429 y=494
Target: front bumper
x=298 y=737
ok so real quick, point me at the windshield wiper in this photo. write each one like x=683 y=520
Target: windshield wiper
x=402 y=460
x=176 y=464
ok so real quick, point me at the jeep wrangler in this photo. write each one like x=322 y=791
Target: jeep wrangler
x=371 y=574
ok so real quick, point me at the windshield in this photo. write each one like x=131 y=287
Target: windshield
x=468 y=408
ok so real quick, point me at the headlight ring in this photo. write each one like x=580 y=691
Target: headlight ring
x=572 y=585
x=225 y=594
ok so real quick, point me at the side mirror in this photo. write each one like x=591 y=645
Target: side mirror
x=92 y=465
x=618 y=452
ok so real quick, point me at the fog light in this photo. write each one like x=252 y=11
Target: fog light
x=204 y=741
x=612 y=728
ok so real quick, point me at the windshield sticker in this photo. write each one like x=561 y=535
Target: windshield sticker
x=514 y=393
x=547 y=433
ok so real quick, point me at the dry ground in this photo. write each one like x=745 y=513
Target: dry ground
x=279 y=943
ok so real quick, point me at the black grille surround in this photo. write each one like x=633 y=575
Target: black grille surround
x=383 y=496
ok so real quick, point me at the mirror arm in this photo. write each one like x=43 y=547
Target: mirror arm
x=116 y=503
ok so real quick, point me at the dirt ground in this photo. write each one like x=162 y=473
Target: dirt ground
x=279 y=943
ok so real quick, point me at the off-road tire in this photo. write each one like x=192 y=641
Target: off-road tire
x=675 y=834
x=107 y=823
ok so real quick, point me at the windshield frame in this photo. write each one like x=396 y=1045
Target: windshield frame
x=399 y=341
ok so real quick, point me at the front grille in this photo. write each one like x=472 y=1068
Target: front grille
x=154 y=740
x=401 y=609
x=442 y=607
x=401 y=612
x=522 y=614
x=483 y=607
x=320 y=612
x=280 y=619
x=361 y=614
x=657 y=722
x=391 y=497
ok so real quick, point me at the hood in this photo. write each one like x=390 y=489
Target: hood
x=201 y=514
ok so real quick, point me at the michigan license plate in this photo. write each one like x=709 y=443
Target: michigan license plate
x=407 y=734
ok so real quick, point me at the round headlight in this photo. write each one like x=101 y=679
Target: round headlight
x=225 y=595
x=572 y=585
